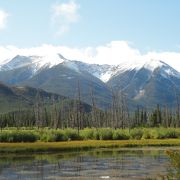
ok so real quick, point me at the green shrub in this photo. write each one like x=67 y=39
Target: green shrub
x=171 y=133
x=96 y=134
x=18 y=136
x=72 y=134
x=160 y=133
x=53 y=135
x=120 y=134
x=105 y=134
x=60 y=136
x=146 y=134
x=136 y=133
x=48 y=136
x=5 y=137
x=87 y=133
x=93 y=134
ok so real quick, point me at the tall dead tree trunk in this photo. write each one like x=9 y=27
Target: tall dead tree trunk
x=38 y=111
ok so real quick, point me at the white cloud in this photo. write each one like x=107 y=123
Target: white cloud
x=171 y=58
x=3 y=19
x=65 y=14
x=114 y=52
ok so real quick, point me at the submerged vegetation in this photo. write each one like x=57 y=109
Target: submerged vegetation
x=174 y=173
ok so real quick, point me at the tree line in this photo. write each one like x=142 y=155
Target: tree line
x=66 y=113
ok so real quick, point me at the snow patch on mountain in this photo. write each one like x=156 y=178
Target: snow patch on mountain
x=140 y=94
x=48 y=61
x=37 y=62
x=103 y=72
x=137 y=65
x=16 y=62
x=150 y=65
x=153 y=64
x=105 y=77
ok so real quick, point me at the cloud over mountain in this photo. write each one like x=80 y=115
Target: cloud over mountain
x=115 y=52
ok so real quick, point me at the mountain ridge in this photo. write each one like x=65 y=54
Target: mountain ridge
x=140 y=81
x=102 y=71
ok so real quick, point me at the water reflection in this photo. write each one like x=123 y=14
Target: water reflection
x=98 y=164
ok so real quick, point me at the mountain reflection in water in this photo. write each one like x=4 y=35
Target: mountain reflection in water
x=98 y=164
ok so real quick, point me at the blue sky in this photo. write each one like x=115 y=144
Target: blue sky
x=147 y=24
x=141 y=27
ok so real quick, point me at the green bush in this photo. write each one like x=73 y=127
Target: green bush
x=160 y=133
x=105 y=134
x=96 y=134
x=120 y=134
x=72 y=134
x=52 y=135
x=166 y=133
x=87 y=133
x=91 y=134
x=18 y=136
x=172 y=133
x=146 y=134
x=60 y=136
x=136 y=133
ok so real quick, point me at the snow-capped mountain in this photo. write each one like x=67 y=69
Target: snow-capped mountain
x=103 y=72
x=37 y=62
x=145 y=82
x=150 y=83
x=57 y=75
x=150 y=65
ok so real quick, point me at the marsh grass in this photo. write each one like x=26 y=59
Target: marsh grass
x=82 y=145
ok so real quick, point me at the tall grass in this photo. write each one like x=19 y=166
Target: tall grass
x=55 y=135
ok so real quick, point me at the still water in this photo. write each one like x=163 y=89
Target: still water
x=91 y=165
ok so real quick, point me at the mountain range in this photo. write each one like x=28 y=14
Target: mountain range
x=145 y=83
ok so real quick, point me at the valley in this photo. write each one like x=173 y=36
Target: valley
x=89 y=90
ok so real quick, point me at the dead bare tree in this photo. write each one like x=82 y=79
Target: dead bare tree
x=54 y=114
x=120 y=115
x=38 y=111
x=94 y=113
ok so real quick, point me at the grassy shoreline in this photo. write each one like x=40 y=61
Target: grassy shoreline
x=42 y=147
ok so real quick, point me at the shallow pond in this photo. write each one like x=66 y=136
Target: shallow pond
x=126 y=163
